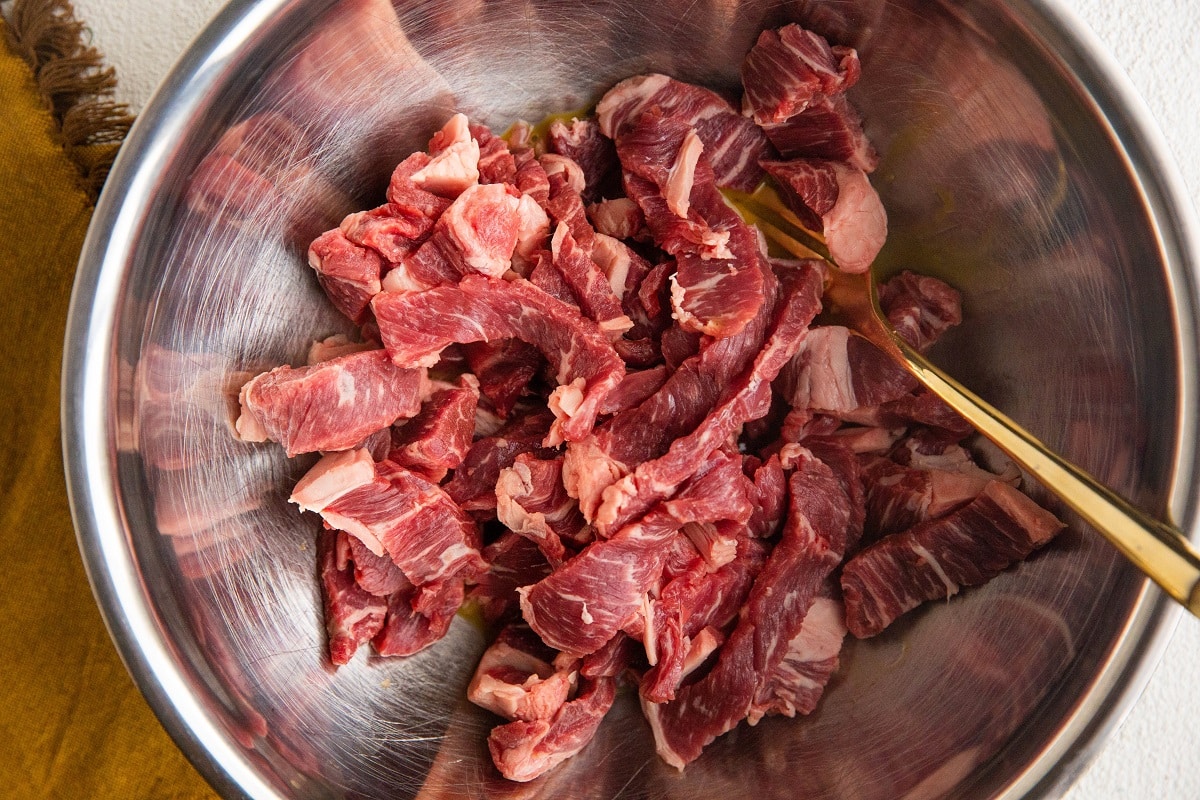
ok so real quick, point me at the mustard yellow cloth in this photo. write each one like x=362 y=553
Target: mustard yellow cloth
x=72 y=724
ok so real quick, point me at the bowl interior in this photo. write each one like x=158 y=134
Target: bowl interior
x=1000 y=175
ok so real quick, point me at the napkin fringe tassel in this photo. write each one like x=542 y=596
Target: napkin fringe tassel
x=74 y=84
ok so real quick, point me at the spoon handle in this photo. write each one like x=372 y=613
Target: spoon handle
x=1159 y=550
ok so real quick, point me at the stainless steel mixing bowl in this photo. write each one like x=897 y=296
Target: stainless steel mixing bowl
x=1018 y=165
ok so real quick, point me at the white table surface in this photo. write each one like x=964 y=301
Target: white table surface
x=1156 y=752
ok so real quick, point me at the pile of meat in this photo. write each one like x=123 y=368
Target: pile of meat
x=587 y=400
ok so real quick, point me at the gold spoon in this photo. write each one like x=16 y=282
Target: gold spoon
x=1158 y=549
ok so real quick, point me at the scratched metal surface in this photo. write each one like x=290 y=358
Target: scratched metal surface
x=1013 y=168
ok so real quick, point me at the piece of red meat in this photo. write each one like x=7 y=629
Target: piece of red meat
x=811 y=547
x=829 y=128
x=416 y=326
x=688 y=604
x=624 y=268
x=838 y=371
x=532 y=501
x=583 y=143
x=913 y=486
x=516 y=677
x=473 y=485
x=789 y=67
x=334 y=405
x=504 y=368
x=717 y=287
x=436 y=440
x=619 y=218
x=418 y=208
x=378 y=575
x=635 y=388
x=770 y=498
x=582 y=605
x=496 y=162
x=798 y=681
x=454 y=161
x=349 y=273
x=935 y=559
x=352 y=614
x=745 y=399
x=477 y=234
x=380 y=229
x=513 y=561
x=733 y=143
x=524 y=750
x=920 y=308
x=392 y=511
x=837 y=201
x=565 y=205
x=588 y=284
x=419 y=616
x=531 y=177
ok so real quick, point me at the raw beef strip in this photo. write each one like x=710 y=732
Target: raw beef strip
x=473 y=485
x=829 y=128
x=333 y=405
x=620 y=218
x=717 y=287
x=788 y=67
x=533 y=233
x=565 y=204
x=926 y=487
x=834 y=453
x=769 y=499
x=920 y=308
x=934 y=559
x=745 y=399
x=838 y=201
x=378 y=575
x=811 y=547
x=418 y=326
x=921 y=407
x=838 y=371
x=624 y=268
x=516 y=678
x=583 y=143
x=436 y=440
x=352 y=615
x=419 y=616
x=634 y=389
x=512 y=561
x=349 y=273
x=524 y=750
x=381 y=230
x=733 y=143
x=545 y=276
x=496 y=162
x=418 y=209
x=531 y=177
x=531 y=501
x=504 y=368
x=610 y=660
x=797 y=683
x=588 y=283
x=392 y=511
x=454 y=165
x=583 y=605
x=477 y=234
x=689 y=604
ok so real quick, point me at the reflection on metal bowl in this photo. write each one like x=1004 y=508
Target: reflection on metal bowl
x=1013 y=167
